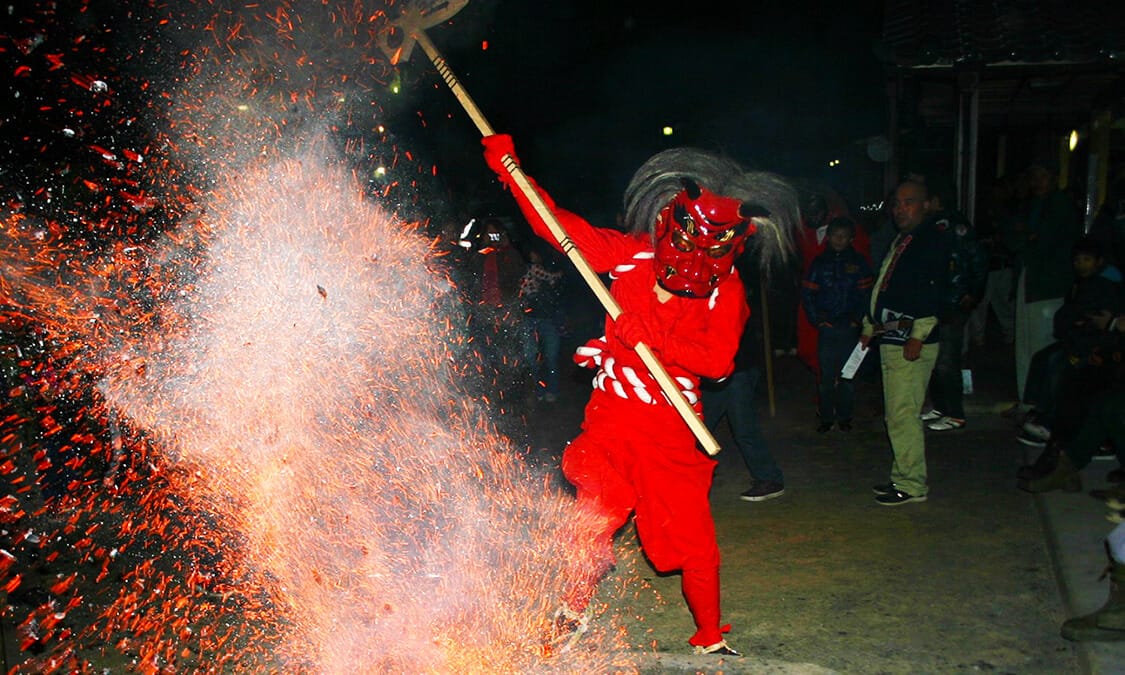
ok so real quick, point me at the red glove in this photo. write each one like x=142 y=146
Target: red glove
x=632 y=328
x=495 y=147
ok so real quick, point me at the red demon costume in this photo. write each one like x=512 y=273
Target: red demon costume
x=674 y=280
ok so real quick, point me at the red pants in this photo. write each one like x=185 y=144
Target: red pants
x=632 y=456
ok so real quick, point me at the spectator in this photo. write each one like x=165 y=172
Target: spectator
x=1109 y=226
x=495 y=268
x=1107 y=623
x=1060 y=465
x=910 y=292
x=1044 y=232
x=999 y=290
x=733 y=398
x=1082 y=362
x=968 y=269
x=823 y=206
x=541 y=302
x=835 y=294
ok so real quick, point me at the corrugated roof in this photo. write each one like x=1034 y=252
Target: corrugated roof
x=929 y=33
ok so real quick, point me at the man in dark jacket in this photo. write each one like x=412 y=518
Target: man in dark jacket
x=909 y=294
x=968 y=272
x=1048 y=227
x=734 y=397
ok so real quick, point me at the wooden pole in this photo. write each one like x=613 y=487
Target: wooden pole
x=667 y=384
x=762 y=293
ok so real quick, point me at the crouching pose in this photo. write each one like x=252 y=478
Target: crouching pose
x=688 y=215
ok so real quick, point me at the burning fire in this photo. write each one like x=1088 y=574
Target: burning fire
x=253 y=409
x=316 y=482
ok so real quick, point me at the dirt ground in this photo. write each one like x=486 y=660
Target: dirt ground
x=823 y=579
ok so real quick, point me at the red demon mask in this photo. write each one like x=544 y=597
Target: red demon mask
x=698 y=237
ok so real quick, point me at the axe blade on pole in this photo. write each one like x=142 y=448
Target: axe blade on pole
x=398 y=41
x=410 y=29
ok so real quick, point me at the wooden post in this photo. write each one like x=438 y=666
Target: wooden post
x=762 y=293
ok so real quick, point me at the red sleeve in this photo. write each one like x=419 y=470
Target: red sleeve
x=603 y=248
x=706 y=340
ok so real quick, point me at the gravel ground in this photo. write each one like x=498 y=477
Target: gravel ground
x=823 y=579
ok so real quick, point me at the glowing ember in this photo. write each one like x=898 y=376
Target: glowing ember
x=247 y=401
x=312 y=399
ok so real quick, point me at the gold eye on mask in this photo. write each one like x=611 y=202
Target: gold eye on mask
x=719 y=251
x=688 y=223
x=727 y=235
x=681 y=242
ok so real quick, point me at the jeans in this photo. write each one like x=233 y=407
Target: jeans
x=734 y=398
x=997 y=294
x=542 y=338
x=1043 y=381
x=1105 y=419
x=835 y=396
x=946 y=386
x=1034 y=331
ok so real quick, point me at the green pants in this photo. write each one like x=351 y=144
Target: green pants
x=904 y=392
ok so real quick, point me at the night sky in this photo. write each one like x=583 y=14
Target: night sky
x=585 y=87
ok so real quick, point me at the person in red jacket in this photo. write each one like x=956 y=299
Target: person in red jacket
x=688 y=216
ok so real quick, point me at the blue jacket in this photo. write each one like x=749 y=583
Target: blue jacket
x=837 y=288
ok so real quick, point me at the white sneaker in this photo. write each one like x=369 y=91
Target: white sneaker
x=946 y=423
x=1037 y=431
x=1033 y=442
x=930 y=416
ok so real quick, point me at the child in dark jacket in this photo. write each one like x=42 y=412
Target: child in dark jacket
x=1064 y=375
x=835 y=294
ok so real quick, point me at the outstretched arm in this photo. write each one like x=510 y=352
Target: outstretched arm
x=603 y=248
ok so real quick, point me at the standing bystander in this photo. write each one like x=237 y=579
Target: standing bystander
x=835 y=294
x=541 y=302
x=909 y=294
x=968 y=273
x=999 y=291
x=1047 y=227
x=733 y=398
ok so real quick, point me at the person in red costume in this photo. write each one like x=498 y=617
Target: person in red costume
x=688 y=216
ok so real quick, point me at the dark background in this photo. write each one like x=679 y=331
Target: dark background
x=584 y=87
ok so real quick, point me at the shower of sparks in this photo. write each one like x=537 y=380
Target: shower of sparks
x=249 y=378
x=389 y=525
x=318 y=468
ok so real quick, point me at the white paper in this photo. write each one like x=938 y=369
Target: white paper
x=852 y=364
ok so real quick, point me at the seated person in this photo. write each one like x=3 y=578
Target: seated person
x=1071 y=363
x=1059 y=465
